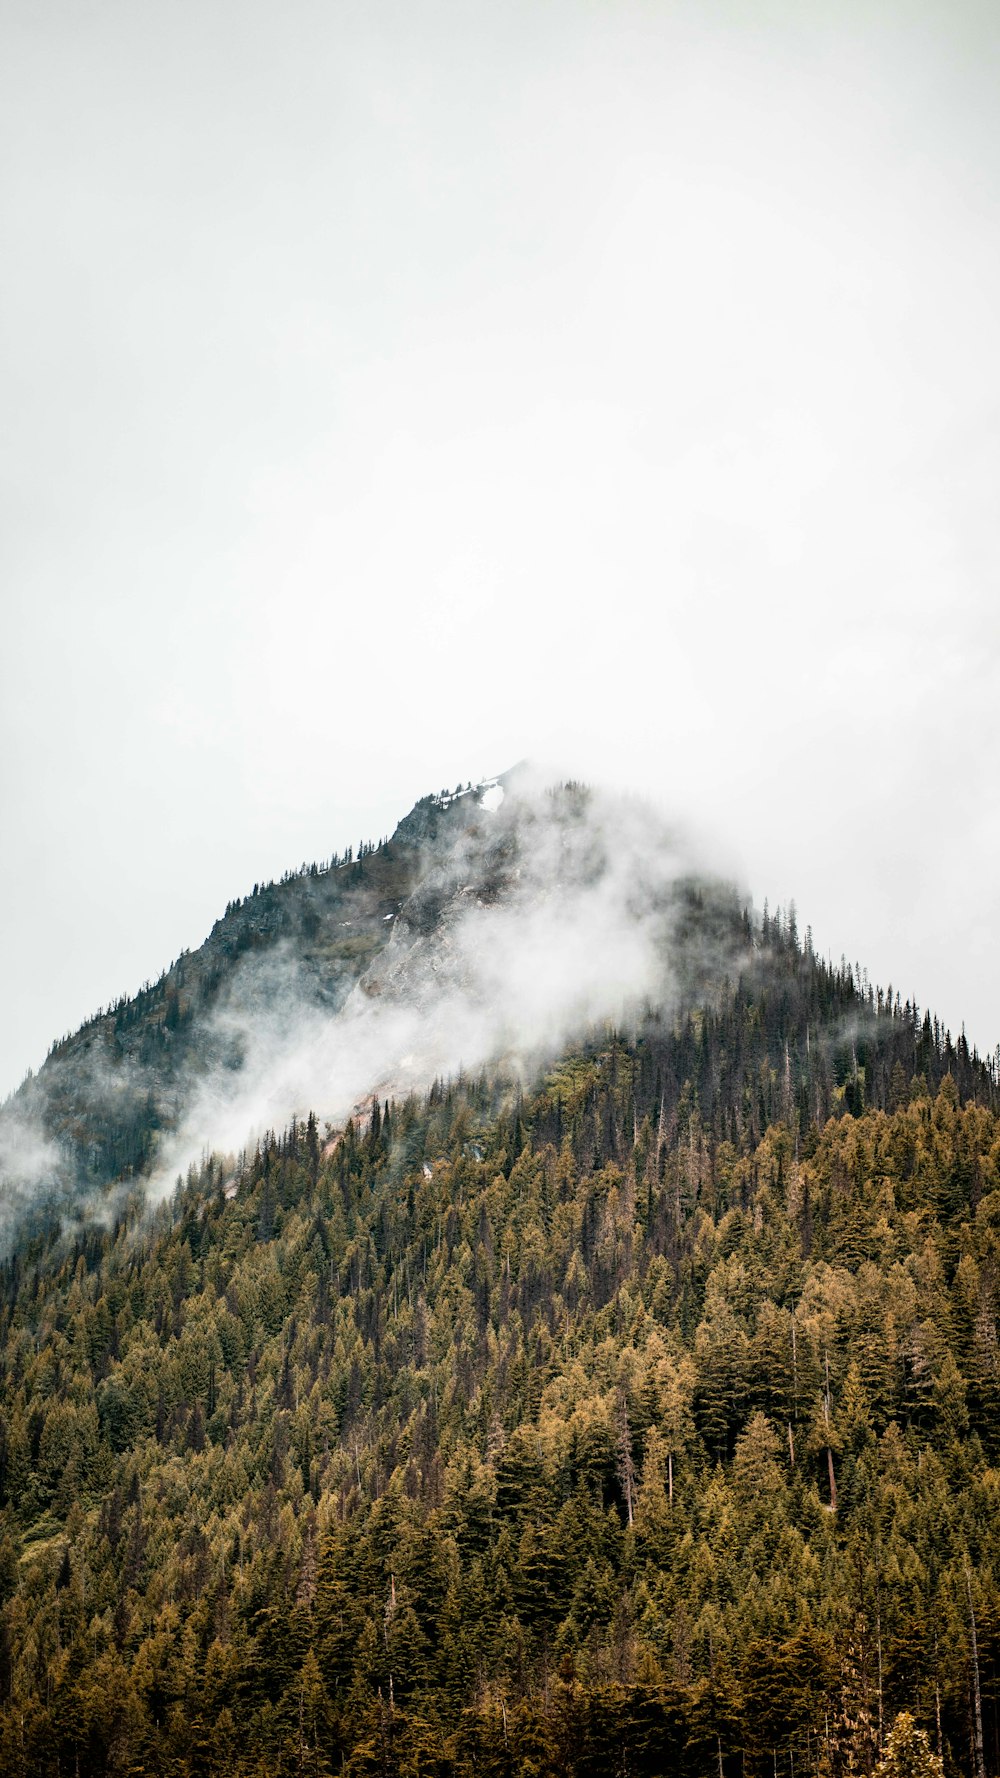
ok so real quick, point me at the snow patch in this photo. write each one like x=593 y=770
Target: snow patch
x=492 y=798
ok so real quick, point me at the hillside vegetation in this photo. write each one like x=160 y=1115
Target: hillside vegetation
x=644 y=1421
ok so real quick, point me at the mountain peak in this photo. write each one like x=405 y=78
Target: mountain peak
x=499 y=923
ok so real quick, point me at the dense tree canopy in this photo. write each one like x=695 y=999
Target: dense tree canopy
x=646 y=1421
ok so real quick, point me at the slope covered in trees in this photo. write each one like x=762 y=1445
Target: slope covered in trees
x=643 y=1421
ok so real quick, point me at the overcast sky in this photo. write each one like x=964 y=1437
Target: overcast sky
x=393 y=392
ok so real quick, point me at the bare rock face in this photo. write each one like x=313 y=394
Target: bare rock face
x=539 y=912
x=427 y=952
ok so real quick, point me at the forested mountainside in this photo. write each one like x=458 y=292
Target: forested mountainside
x=645 y=1421
x=626 y=1404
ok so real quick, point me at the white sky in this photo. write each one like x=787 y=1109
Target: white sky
x=392 y=392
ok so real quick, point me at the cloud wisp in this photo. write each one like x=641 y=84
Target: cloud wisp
x=541 y=918
x=31 y=1166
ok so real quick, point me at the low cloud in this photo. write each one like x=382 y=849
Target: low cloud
x=548 y=914
x=32 y=1166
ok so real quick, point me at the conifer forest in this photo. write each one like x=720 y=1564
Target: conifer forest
x=639 y=1418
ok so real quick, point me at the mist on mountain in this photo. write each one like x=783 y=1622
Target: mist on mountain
x=496 y=925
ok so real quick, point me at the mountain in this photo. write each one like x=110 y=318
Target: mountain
x=613 y=1388
x=498 y=920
